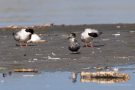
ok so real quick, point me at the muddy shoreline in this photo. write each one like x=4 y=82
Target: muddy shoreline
x=109 y=50
x=123 y=26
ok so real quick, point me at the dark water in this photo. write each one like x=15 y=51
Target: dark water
x=62 y=80
x=31 y=12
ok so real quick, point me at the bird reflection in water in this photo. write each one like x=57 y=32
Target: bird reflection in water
x=74 y=77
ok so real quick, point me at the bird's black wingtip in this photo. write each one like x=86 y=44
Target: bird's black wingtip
x=93 y=35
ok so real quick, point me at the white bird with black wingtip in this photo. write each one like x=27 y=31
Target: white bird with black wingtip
x=88 y=35
x=23 y=36
x=74 y=46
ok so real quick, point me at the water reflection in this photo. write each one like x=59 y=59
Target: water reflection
x=26 y=72
x=104 y=77
x=107 y=77
x=101 y=77
x=6 y=74
x=74 y=77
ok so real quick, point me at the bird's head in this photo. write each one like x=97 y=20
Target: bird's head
x=29 y=30
x=71 y=35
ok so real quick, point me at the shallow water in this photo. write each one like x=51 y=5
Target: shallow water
x=31 y=12
x=62 y=80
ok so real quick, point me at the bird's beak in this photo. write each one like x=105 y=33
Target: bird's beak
x=68 y=37
x=100 y=33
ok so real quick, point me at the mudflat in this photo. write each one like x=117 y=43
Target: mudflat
x=116 y=46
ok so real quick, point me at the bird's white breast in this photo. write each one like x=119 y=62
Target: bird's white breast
x=84 y=35
x=23 y=34
x=34 y=38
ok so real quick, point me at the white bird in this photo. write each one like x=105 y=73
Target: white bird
x=23 y=36
x=35 y=38
x=88 y=35
x=74 y=46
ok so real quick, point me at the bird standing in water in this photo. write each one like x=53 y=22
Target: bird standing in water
x=74 y=46
x=88 y=35
x=23 y=36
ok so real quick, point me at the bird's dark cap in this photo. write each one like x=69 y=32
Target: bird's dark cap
x=30 y=30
